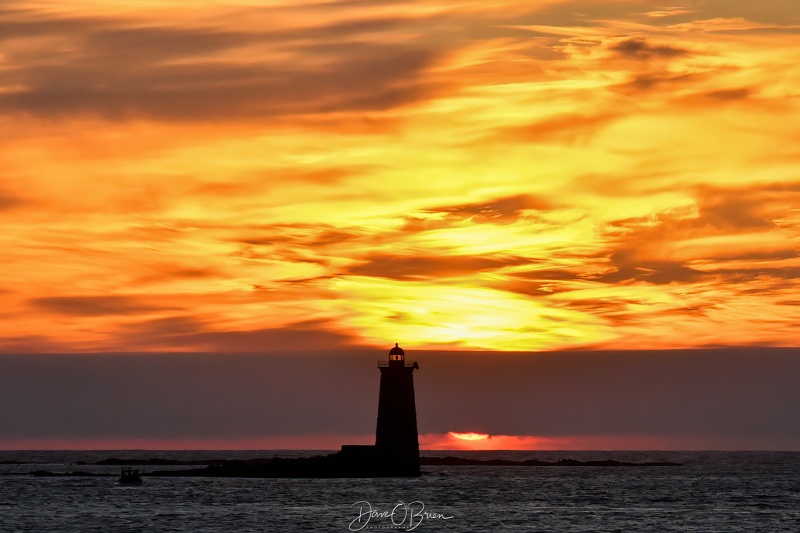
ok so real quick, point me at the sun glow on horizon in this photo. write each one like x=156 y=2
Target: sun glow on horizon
x=469 y=436
x=486 y=442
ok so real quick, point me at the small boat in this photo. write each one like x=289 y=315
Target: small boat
x=129 y=476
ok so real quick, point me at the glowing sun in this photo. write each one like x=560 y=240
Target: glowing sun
x=469 y=436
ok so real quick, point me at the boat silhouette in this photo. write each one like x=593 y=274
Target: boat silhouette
x=130 y=476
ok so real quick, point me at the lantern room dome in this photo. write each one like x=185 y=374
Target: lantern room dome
x=396 y=350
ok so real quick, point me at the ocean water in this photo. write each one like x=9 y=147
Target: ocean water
x=711 y=491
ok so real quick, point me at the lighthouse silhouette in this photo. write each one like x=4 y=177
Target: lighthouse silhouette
x=396 y=449
x=396 y=438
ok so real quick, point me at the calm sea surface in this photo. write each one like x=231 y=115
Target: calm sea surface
x=712 y=491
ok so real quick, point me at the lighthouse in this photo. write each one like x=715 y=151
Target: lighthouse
x=396 y=439
x=396 y=449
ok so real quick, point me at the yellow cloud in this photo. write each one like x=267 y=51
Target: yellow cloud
x=247 y=168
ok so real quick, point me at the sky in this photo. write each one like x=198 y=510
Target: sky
x=718 y=399
x=509 y=176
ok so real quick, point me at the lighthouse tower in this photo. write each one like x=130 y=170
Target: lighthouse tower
x=396 y=439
